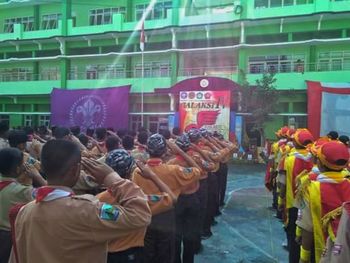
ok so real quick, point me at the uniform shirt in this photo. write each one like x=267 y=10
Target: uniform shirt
x=78 y=228
x=157 y=203
x=12 y=194
x=174 y=176
x=4 y=143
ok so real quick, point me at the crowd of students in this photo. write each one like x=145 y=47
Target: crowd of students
x=309 y=179
x=105 y=196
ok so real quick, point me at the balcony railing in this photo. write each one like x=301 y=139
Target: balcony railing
x=275 y=67
x=208 y=71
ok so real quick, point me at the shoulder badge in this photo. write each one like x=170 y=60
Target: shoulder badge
x=109 y=212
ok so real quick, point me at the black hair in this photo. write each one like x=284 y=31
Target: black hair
x=166 y=133
x=142 y=137
x=333 y=135
x=142 y=129
x=4 y=127
x=17 y=137
x=176 y=131
x=60 y=132
x=57 y=156
x=75 y=130
x=10 y=159
x=42 y=130
x=344 y=139
x=28 y=130
x=153 y=130
x=90 y=132
x=112 y=143
x=121 y=133
x=128 y=142
x=132 y=133
x=83 y=139
x=101 y=133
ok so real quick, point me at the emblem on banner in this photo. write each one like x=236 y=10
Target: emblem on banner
x=88 y=112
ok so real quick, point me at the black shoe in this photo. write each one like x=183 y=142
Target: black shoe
x=214 y=223
x=206 y=235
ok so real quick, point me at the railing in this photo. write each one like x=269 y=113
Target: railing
x=208 y=71
x=28 y=76
x=289 y=67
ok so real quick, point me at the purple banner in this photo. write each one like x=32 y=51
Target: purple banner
x=91 y=108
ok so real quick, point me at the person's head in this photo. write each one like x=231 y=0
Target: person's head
x=128 y=142
x=156 y=145
x=194 y=135
x=344 y=139
x=183 y=142
x=83 y=139
x=141 y=129
x=18 y=139
x=29 y=130
x=60 y=161
x=142 y=137
x=42 y=130
x=316 y=146
x=121 y=162
x=112 y=143
x=121 y=133
x=90 y=132
x=166 y=133
x=332 y=156
x=11 y=162
x=176 y=131
x=302 y=138
x=4 y=128
x=101 y=134
x=75 y=130
x=204 y=132
x=153 y=130
x=333 y=135
x=284 y=132
x=132 y=134
x=218 y=135
x=61 y=133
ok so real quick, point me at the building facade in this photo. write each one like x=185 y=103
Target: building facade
x=73 y=44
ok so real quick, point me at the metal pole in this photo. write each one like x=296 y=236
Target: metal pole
x=143 y=75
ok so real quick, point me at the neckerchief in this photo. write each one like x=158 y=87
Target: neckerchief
x=47 y=193
x=154 y=162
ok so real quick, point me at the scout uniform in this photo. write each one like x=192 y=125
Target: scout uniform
x=324 y=198
x=11 y=193
x=159 y=240
x=295 y=163
x=140 y=154
x=62 y=227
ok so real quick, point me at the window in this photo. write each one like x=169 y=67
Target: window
x=73 y=72
x=91 y=72
x=279 y=3
x=5 y=118
x=44 y=120
x=27 y=22
x=333 y=61
x=16 y=74
x=277 y=63
x=28 y=120
x=159 y=10
x=115 y=71
x=50 y=73
x=50 y=21
x=104 y=16
x=153 y=69
x=135 y=122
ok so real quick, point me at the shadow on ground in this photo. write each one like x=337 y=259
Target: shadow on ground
x=247 y=231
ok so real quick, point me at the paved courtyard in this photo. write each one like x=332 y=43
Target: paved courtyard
x=247 y=231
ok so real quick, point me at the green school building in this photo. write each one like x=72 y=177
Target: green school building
x=74 y=44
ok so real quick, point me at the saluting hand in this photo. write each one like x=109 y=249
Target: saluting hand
x=96 y=169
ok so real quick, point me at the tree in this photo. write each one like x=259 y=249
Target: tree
x=259 y=100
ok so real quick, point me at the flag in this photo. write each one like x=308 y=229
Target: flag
x=142 y=37
x=91 y=108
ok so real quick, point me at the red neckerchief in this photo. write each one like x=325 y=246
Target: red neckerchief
x=179 y=157
x=200 y=144
x=154 y=162
x=44 y=191
x=141 y=148
x=3 y=184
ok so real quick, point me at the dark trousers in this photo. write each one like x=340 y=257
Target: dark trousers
x=131 y=255
x=160 y=239
x=203 y=202
x=222 y=183
x=187 y=227
x=5 y=245
x=213 y=201
x=293 y=247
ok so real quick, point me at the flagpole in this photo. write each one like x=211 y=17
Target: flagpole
x=142 y=76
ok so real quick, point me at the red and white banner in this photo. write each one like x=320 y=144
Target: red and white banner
x=208 y=109
x=328 y=108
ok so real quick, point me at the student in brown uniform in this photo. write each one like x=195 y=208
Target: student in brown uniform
x=159 y=239
x=129 y=249
x=62 y=227
x=12 y=192
x=187 y=208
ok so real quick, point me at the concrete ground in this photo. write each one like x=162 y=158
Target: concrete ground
x=247 y=231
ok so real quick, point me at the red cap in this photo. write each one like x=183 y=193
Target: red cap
x=334 y=155
x=317 y=144
x=290 y=132
x=303 y=137
x=284 y=131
